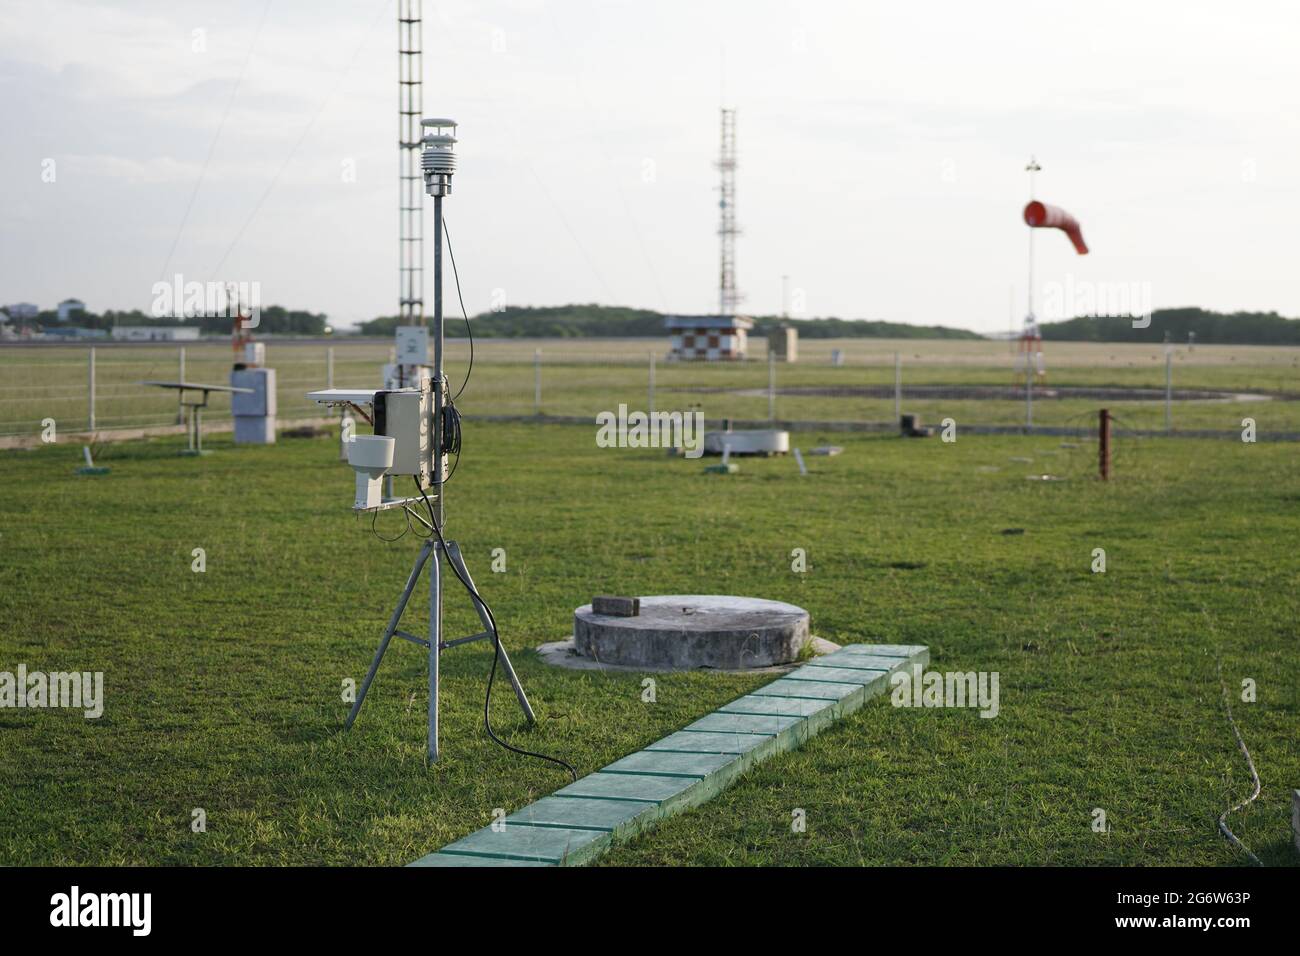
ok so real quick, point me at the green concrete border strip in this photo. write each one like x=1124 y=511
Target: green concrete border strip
x=579 y=822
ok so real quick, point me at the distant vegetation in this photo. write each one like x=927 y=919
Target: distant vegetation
x=598 y=321
x=1219 y=328
x=273 y=319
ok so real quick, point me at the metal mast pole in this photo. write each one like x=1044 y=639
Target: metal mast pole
x=439 y=390
x=1032 y=168
x=728 y=297
x=410 y=106
x=439 y=511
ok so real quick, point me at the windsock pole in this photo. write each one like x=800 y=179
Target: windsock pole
x=1032 y=168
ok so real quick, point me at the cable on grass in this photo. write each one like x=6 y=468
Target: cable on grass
x=1257 y=787
x=496 y=650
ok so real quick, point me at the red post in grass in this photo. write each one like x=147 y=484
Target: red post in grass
x=1103 y=443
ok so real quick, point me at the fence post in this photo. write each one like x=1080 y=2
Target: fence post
x=1169 y=389
x=90 y=391
x=329 y=367
x=652 y=383
x=537 y=382
x=898 y=387
x=771 y=383
x=180 y=368
x=1029 y=395
x=1103 y=443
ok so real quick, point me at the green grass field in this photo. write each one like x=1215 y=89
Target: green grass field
x=583 y=377
x=223 y=688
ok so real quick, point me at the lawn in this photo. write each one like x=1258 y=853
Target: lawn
x=582 y=377
x=223 y=688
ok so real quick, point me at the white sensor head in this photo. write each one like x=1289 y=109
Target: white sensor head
x=438 y=160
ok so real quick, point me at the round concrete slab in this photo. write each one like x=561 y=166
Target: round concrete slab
x=687 y=631
x=564 y=654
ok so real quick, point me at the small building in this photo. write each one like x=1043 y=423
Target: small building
x=21 y=312
x=783 y=343
x=712 y=338
x=70 y=307
x=156 y=333
x=73 y=332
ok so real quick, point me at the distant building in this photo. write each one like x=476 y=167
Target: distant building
x=156 y=333
x=713 y=338
x=21 y=312
x=74 y=332
x=70 y=307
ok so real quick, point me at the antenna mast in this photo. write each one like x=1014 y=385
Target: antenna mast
x=1031 y=169
x=728 y=297
x=410 y=200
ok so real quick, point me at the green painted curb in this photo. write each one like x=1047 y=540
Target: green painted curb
x=579 y=822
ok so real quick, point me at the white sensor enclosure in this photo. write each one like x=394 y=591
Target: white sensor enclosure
x=370 y=456
x=438 y=156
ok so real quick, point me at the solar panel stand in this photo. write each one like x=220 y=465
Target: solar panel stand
x=195 y=428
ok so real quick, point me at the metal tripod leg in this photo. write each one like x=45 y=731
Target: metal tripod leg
x=392 y=626
x=454 y=556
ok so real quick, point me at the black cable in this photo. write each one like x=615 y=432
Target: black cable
x=496 y=645
x=451 y=432
x=374 y=517
x=469 y=331
x=451 y=436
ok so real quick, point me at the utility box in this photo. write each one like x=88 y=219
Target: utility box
x=784 y=343
x=254 y=411
x=412 y=345
x=406 y=416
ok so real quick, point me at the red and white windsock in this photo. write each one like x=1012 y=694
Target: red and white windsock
x=1041 y=216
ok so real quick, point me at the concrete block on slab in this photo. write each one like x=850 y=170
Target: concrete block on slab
x=614 y=606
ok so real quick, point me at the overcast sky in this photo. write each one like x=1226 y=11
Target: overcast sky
x=882 y=150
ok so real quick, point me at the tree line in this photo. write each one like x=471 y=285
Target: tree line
x=1174 y=325
x=272 y=319
x=599 y=321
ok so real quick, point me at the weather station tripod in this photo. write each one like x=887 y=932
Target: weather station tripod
x=434 y=548
x=437 y=163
